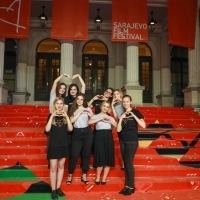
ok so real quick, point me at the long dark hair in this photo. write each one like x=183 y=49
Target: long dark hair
x=58 y=88
x=75 y=106
x=70 y=87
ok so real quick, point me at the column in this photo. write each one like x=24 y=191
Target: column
x=21 y=94
x=119 y=66
x=3 y=87
x=66 y=60
x=132 y=86
x=192 y=92
x=2 y=49
x=119 y=71
x=165 y=98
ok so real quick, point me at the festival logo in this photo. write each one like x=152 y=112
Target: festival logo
x=14 y=18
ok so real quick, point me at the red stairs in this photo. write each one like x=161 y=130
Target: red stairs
x=167 y=158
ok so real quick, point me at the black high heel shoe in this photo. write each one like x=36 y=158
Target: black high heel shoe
x=129 y=191
x=84 y=179
x=103 y=182
x=69 y=179
x=54 y=195
x=60 y=192
x=97 y=182
x=124 y=190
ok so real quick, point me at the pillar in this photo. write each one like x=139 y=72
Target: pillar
x=119 y=67
x=192 y=92
x=132 y=86
x=20 y=96
x=3 y=87
x=165 y=99
x=66 y=60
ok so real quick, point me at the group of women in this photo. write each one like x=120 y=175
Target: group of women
x=68 y=124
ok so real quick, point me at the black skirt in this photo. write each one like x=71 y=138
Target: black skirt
x=103 y=148
x=57 y=152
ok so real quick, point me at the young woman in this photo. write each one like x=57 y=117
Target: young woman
x=82 y=137
x=73 y=91
x=98 y=99
x=117 y=109
x=57 y=90
x=103 y=142
x=57 y=127
x=128 y=129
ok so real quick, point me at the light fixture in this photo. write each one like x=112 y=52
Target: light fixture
x=98 y=20
x=43 y=18
x=152 y=23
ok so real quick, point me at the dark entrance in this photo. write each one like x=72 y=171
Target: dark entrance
x=95 y=73
x=47 y=70
x=145 y=77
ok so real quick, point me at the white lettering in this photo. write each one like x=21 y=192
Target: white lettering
x=122 y=31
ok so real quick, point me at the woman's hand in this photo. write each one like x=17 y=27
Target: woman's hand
x=54 y=114
x=106 y=120
x=66 y=75
x=89 y=113
x=95 y=97
x=123 y=116
x=75 y=76
x=113 y=102
x=64 y=113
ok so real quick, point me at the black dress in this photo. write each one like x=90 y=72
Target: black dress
x=58 y=146
x=103 y=148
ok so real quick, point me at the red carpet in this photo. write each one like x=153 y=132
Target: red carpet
x=167 y=162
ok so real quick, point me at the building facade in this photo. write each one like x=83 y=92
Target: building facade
x=153 y=73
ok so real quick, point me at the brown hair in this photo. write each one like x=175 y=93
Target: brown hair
x=75 y=106
x=111 y=97
x=58 y=88
x=127 y=96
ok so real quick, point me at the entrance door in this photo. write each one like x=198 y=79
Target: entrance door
x=47 y=70
x=95 y=74
x=145 y=77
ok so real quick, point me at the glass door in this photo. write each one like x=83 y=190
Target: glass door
x=47 y=70
x=145 y=77
x=95 y=74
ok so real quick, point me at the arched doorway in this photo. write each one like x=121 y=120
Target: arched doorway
x=95 y=67
x=10 y=63
x=47 y=68
x=145 y=71
x=179 y=73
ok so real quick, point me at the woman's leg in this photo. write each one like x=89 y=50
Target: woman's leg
x=53 y=173
x=99 y=170
x=105 y=173
x=75 y=153
x=123 y=154
x=130 y=151
x=61 y=163
x=86 y=150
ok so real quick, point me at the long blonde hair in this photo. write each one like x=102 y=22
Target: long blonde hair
x=54 y=109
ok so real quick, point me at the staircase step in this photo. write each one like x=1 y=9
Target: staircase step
x=40 y=159
x=18 y=141
x=114 y=184
x=140 y=171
